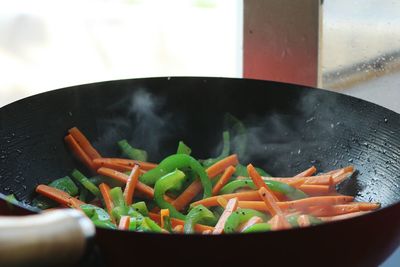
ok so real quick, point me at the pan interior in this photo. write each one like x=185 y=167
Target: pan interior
x=289 y=128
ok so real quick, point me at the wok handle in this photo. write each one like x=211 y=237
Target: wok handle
x=58 y=237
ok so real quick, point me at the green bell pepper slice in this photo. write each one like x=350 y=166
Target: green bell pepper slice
x=257 y=228
x=86 y=183
x=99 y=216
x=198 y=214
x=172 y=180
x=178 y=161
x=293 y=220
x=117 y=197
x=240 y=216
x=183 y=148
x=141 y=207
x=291 y=192
x=131 y=152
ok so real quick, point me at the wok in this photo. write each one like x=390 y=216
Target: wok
x=291 y=127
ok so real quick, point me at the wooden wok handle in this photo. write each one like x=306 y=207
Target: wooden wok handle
x=57 y=237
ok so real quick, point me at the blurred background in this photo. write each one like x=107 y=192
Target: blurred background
x=47 y=44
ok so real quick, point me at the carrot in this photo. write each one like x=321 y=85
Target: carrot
x=163 y=213
x=125 y=162
x=300 y=204
x=297 y=183
x=341 y=176
x=105 y=192
x=179 y=229
x=221 y=165
x=258 y=181
x=252 y=221
x=223 y=180
x=342 y=170
x=84 y=143
x=319 y=180
x=195 y=188
x=315 y=190
x=323 y=211
x=230 y=207
x=303 y=221
x=269 y=201
x=279 y=222
x=146 y=190
x=206 y=232
x=213 y=201
x=343 y=216
x=79 y=153
x=124 y=223
x=222 y=202
x=176 y=222
x=131 y=185
x=310 y=171
x=59 y=196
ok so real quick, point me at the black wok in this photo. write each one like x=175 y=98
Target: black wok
x=291 y=127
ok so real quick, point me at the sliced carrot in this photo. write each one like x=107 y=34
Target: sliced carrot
x=213 y=201
x=252 y=221
x=179 y=229
x=297 y=183
x=131 y=185
x=342 y=170
x=343 y=216
x=195 y=188
x=341 y=176
x=258 y=181
x=84 y=143
x=279 y=222
x=206 y=232
x=223 y=180
x=59 y=196
x=230 y=207
x=176 y=222
x=303 y=221
x=222 y=202
x=323 y=211
x=272 y=206
x=105 y=192
x=146 y=190
x=79 y=153
x=319 y=180
x=124 y=223
x=125 y=162
x=315 y=190
x=310 y=171
x=163 y=213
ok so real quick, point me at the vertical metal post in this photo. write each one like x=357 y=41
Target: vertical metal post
x=281 y=39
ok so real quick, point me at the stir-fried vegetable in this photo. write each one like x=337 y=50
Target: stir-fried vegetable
x=181 y=194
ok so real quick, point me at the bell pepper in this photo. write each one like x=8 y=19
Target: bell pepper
x=289 y=191
x=131 y=152
x=183 y=148
x=117 y=197
x=91 y=187
x=178 y=161
x=172 y=180
x=293 y=220
x=257 y=228
x=98 y=216
x=240 y=216
x=141 y=207
x=198 y=214
x=148 y=225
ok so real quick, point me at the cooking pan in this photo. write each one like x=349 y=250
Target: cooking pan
x=290 y=128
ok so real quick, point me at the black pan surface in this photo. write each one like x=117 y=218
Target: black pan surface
x=290 y=128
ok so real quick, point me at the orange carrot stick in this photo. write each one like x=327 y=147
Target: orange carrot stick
x=319 y=180
x=125 y=162
x=341 y=176
x=105 y=192
x=163 y=213
x=84 y=143
x=310 y=171
x=131 y=185
x=206 y=232
x=195 y=188
x=303 y=221
x=124 y=223
x=230 y=207
x=315 y=190
x=343 y=216
x=59 y=196
x=223 y=180
x=279 y=222
x=179 y=229
x=269 y=200
x=258 y=181
x=222 y=202
x=79 y=153
x=213 y=201
x=326 y=211
x=252 y=221
x=175 y=222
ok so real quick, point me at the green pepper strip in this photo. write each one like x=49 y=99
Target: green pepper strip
x=98 y=216
x=258 y=227
x=183 y=148
x=224 y=153
x=131 y=152
x=120 y=211
x=178 y=161
x=172 y=180
x=141 y=207
x=293 y=220
x=240 y=216
x=91 y=187
x=117 y=197
x=291 y=192
x=198 y=214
